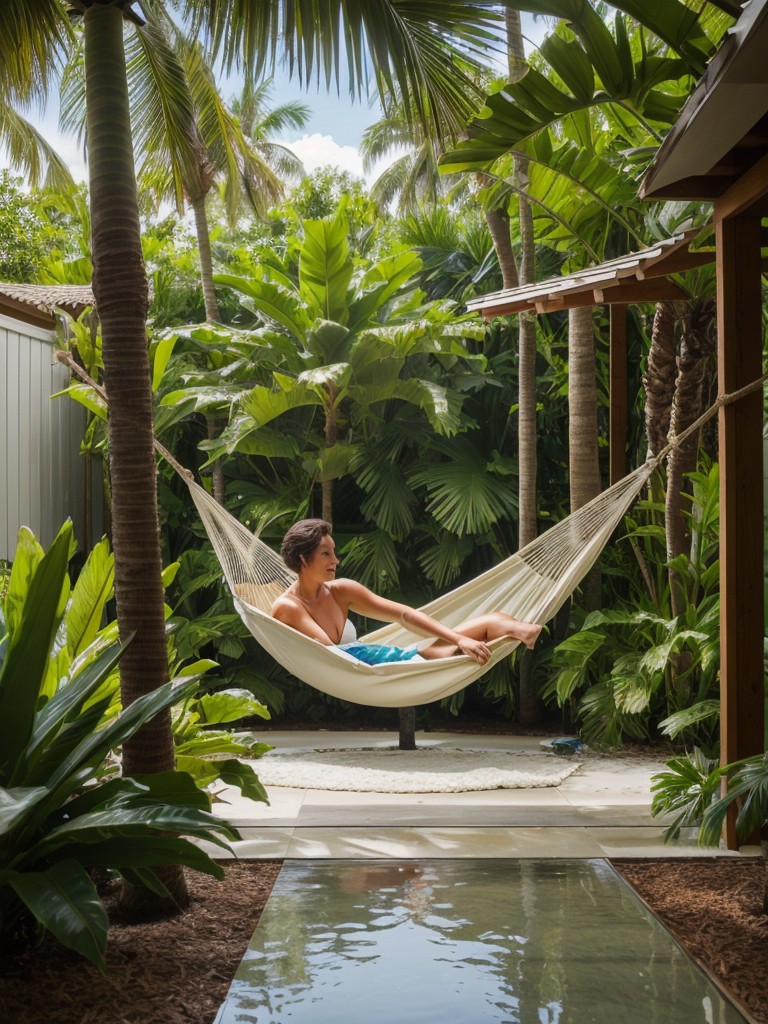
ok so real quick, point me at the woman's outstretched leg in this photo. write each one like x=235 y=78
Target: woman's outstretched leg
x=492 y=626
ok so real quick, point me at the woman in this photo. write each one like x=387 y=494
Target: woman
x=317 y=604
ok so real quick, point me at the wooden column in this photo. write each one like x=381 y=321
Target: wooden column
x=618 y=391
x=741 y=499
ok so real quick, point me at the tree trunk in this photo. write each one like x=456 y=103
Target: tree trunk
x=584 y=466
x=330 y=441
x=527 y=435
x=696 y=346
x=212 y=313
x=530 y=707
x=659 y=378
x=498 y=225
x=120 y=291
x=206 y=261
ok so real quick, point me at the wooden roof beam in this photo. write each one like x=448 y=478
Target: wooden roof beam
x=653 y=290
x=747 y=195
x=675 y=263
x=26 y=314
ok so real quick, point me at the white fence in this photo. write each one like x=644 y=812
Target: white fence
x=42 y=474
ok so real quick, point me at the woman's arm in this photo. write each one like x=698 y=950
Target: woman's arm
x=365 y=602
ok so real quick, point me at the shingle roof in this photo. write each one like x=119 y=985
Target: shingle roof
x=48 y=297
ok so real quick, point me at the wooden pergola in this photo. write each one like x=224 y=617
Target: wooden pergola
x=718 y=152
x=638 y=277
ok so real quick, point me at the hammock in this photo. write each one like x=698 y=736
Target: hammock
x=531 y=585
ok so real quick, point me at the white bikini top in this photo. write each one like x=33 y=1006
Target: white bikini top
x=348 y=634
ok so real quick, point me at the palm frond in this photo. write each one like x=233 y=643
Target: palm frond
x=34 y=38
x=30 y=152
x=409 y=46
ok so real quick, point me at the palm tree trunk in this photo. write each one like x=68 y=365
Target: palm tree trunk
x=330 y=441
x=582 y=425
x=213 y=313
x=120 y=290
x=498 y=225
x=696 y=346
x=659 y=378
x=530 y=707
x=527 y=435
x=206 y=261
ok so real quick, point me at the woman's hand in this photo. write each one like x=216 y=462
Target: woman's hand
x=477 y=649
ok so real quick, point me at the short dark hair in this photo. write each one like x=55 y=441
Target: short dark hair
x=301 y=541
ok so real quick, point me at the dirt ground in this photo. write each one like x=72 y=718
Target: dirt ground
x=178 y=970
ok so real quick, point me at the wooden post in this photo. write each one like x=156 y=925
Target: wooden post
x=618 y=391
x=741 y=499
x=407 y=720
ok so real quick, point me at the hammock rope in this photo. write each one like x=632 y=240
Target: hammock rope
x=531 y=585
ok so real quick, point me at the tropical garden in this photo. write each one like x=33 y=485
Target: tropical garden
x=302 y=343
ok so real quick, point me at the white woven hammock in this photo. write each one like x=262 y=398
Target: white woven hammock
x=530 y=585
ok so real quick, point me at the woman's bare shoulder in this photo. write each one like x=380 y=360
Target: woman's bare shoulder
x=285 y=607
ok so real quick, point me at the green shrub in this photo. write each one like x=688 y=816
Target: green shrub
x=59 y=819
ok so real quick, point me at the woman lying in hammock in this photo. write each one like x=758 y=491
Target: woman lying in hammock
x=317 y=604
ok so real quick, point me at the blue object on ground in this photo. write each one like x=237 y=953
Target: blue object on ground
x=566 y=745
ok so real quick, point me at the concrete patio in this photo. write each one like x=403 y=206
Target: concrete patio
x=602 y=810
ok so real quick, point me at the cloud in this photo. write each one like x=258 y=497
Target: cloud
x=322 y=150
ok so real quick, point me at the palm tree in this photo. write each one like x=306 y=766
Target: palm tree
x=408 y=44
x=187 y=139
x=260 y=121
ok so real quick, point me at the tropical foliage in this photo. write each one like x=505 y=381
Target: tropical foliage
x=340 y=382
x=59 y=818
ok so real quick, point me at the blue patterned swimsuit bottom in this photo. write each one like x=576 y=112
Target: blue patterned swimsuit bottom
x=380 y=654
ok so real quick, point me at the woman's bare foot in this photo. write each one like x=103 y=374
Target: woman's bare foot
x=528 y=633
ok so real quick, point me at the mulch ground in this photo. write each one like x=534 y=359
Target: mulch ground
x=178 y=970
x=714 y=909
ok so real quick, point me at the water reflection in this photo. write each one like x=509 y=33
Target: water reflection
x=513 y=942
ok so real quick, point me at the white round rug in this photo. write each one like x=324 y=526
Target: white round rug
x=424 y=770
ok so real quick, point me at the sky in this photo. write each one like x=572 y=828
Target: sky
x=331 y=137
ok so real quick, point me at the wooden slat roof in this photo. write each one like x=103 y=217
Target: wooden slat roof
x=636 y=277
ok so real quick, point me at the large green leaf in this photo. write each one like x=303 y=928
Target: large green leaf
x=67 y=703
x=244 y=778
x=379 y=284
x=671 y=20
x=65 y=902
x=15 y=804
x=263 y=405
x=24 y=667
x=92 y=750
x=463 y=496
x=146 y=850
x=230 y=705
x=90 y=594
x=272 y=300
x=329 y=342
x=132 y=822
x=29 y=553
x=325 y=268
x=535 y=103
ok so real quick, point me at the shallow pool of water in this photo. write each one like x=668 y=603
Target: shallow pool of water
x=463 y=942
